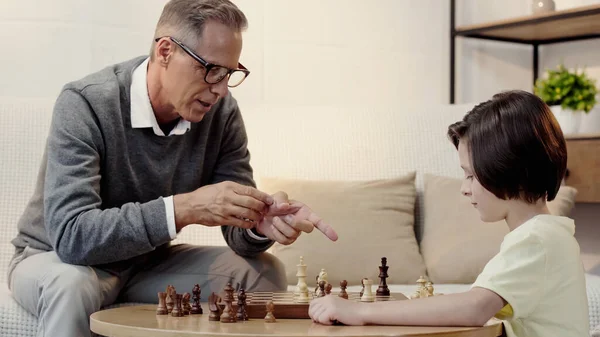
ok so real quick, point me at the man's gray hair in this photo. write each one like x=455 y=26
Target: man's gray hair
x=185 y=19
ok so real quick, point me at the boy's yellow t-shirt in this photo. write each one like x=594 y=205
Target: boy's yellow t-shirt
x=539 y=273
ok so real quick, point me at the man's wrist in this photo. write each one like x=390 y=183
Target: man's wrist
x=182 y=211
x=170 y=213
x=253 y=233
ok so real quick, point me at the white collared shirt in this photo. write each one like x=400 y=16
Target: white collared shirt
x=142 y=116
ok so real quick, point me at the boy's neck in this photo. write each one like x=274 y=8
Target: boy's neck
x=520 y=211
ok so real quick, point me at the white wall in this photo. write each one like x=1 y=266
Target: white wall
x=308 y=52
x=47 y=43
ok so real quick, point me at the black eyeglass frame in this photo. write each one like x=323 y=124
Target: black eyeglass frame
x=207 y=65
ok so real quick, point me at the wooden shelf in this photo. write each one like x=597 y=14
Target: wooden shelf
x=565 y=25
x=583 y=136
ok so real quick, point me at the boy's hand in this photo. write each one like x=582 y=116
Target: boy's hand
x=331 y=308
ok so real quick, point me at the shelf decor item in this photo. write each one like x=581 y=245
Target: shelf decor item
x=569 y=94
x=542 y=6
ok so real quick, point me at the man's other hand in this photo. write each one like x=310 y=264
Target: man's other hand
x=225 y=203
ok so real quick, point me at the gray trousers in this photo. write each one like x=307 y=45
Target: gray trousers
x=63 y=296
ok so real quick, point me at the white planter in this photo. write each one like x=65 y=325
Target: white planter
x=569 y=120
x=590 y=122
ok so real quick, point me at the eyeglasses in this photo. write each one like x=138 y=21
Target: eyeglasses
x=214 y=72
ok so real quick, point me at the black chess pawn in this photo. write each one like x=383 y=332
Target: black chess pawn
x=321 y=291
x=328 y=289
x=241 y=315
x=343 y=293
x=269 y=317
x=196 y=307
x=383 y=289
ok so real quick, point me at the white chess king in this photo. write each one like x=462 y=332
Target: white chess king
x=301 y=291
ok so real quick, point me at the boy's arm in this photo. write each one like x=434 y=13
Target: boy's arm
x=472 y=308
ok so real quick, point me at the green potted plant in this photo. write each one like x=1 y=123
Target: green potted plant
x=570 y=94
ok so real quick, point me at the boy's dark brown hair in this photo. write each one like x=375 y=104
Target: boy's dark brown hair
x=516 y=146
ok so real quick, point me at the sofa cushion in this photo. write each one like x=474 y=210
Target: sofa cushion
x=373 y=219
x=456 y=243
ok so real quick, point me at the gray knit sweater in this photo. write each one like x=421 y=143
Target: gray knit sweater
x=99 y=192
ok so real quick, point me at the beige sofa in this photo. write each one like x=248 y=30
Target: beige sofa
x=384 y=176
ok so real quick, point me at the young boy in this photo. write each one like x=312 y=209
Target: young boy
x=514 y=157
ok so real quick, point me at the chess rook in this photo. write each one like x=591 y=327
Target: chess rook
x=177 y=310
x=162 y=306
x=367 y=296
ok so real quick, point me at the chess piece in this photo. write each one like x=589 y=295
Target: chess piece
x=185 y=304
x=162 y=306
x=343 y=293
x=170 y=299
x=301 y=292
x=196 y=307
x=213 y=307
x=270 y=318
x=321 y=291
x=421 y=289
x=317 y=287
x=367 y=296
x=383 y=289
x=228 y=316
x=429 y=289
x=177 y=310
x=328 y=289
x=362 y=282
x=242 y=315
x=321 y=277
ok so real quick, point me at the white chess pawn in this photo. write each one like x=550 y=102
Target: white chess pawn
x=368 y=294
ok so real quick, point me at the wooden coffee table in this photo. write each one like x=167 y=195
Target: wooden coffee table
x=142 y=321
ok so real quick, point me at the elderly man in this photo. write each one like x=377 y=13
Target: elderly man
x=135 y=153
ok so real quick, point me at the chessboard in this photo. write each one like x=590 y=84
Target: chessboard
x=271 y=305
x=287 y=307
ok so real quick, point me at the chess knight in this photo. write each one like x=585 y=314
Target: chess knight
x=321 y=277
